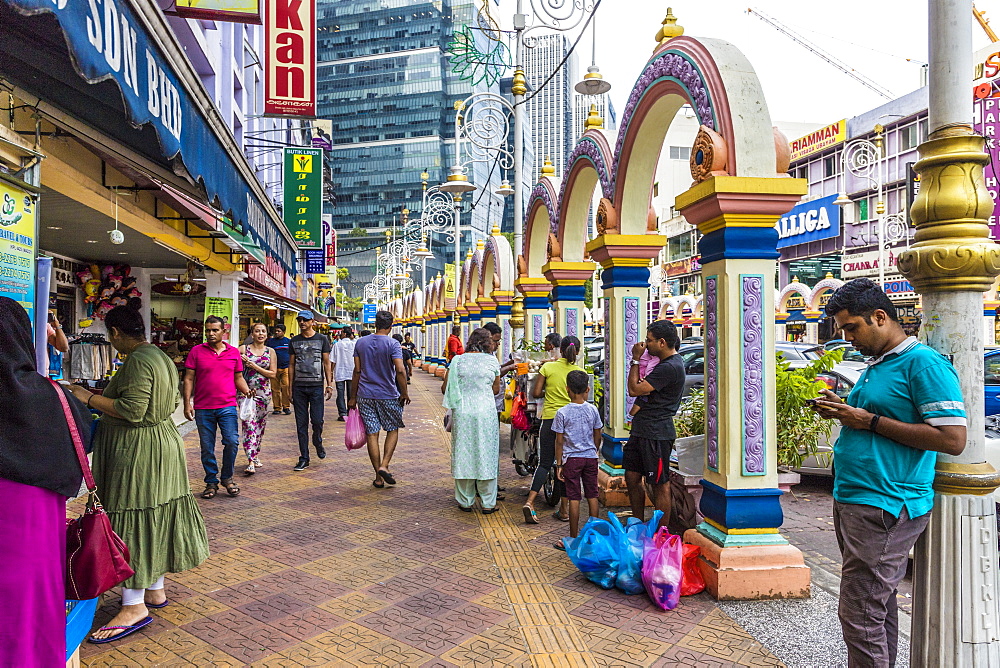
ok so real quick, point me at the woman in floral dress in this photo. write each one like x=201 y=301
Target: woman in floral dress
x=470 y=385
x=260 y=365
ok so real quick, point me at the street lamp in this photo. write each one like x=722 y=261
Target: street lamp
x=593 y=82
x=863 y=159
x=481 y=133
x=551 y=15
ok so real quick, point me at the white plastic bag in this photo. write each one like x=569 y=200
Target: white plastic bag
x=246 y=408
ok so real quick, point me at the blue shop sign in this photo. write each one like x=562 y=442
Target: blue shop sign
x=809 y=221
x=368 y=313
x=107 y=41
x=315 y=261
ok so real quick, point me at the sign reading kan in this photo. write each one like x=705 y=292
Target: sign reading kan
x=290 y=58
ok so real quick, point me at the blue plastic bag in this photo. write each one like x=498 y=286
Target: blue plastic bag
x=630 y=545
x=595 y=552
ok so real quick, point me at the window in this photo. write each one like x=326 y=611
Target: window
x=830 y=165
x=923 y=130
x=680 y=153
x=656 y=189
x=908 y=138
x=992 y=370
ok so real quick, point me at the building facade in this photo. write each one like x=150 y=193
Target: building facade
x=385 y=82
x=550 y=109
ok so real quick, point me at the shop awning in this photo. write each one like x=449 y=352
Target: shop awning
x=132 y=83
x=283 y=303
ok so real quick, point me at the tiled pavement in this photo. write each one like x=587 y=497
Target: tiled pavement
x=319 y=568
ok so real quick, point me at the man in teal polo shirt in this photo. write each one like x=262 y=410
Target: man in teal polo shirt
x=906 y=406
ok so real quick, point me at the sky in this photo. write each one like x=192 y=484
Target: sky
x=885 y=40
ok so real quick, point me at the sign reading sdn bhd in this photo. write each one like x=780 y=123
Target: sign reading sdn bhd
x=809 y=221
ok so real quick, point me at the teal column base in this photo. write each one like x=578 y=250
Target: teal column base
x=724 y=539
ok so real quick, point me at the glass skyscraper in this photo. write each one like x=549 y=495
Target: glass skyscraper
x=385 y=82
x=551 y=109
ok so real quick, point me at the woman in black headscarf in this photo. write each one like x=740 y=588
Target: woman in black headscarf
x=38 y=472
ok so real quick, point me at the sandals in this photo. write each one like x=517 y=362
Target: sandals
x=489 y=511
x=210 y=491
x=559 y=517
x=377 y=482
x=256 y=462
x=249 y=470
x=232 y=489
x=559 y=545
x=529 y=515
x=126 y=631
x=388 y=477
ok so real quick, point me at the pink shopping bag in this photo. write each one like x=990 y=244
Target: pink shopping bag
x=661 y=568
x=354 y=434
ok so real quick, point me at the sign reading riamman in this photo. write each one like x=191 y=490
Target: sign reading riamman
x=819 y=140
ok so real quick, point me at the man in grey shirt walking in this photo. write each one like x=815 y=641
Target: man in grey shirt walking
x=311 y=378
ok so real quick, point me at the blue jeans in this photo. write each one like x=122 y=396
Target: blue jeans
x=307 y=400
x=227 y=421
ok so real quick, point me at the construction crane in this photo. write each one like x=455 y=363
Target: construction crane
x=984 y=23
x=832 y=60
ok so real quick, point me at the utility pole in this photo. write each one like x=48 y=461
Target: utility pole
x=956 y=621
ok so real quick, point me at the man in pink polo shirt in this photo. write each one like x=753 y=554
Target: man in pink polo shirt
x=213 y=374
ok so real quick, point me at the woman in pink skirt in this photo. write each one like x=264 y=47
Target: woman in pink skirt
x=38 y=472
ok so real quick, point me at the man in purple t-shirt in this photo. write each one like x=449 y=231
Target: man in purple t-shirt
x=213 y=374
x=378 y=390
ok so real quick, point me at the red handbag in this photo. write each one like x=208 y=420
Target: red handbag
x=519 y=413
x=96 y=558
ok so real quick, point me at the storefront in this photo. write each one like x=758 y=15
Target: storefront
x=809 y=240
x=898 y=289
x=120 y=182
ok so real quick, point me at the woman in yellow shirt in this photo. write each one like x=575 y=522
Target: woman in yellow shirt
x=550 y=381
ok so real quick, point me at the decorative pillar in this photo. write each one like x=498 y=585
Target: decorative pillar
x=536 y=306
x=516 y=322
x=226 y=285
x=569 y=279
x=625 y=283
x=743 y=555
x=956 y=621
x=503 y=301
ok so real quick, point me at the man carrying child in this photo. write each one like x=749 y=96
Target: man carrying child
x=577 y=426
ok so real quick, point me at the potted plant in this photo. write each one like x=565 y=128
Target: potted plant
x=799 y=429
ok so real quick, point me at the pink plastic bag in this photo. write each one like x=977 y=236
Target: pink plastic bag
x=661 y=568
x=354 y=434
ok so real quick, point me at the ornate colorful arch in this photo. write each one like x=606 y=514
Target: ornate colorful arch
x=542 y=210
x=685 y=70
x=498 y=266
x=589 y=166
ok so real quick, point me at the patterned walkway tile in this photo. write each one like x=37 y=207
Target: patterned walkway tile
x=319 y=568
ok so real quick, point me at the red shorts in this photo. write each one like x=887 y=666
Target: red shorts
x=579 y=470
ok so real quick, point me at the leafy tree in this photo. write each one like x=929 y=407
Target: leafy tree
x=343 y=272
x=358 y=232
x=352 y=305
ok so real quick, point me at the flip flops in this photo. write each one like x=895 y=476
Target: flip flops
x=388 y=477
x=157 y=606
x=529 y=515
x=128 y=630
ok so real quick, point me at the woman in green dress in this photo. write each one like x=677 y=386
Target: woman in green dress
x=470 y=385
x=141 y=473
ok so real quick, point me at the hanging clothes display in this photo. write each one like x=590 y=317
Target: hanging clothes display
x=90 y=357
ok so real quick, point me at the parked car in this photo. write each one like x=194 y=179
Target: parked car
x=693 y=355
x=851 y=354
x=991 y=381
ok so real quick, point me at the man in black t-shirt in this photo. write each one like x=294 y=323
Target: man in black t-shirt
x=647 y=453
